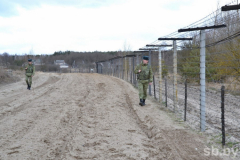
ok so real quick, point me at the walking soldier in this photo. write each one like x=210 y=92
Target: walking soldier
x=145 y=78
x=30 y=71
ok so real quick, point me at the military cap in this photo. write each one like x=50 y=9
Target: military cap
x=145 y=58
x=29 y=60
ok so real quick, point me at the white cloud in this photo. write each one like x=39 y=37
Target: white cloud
x=52 y=28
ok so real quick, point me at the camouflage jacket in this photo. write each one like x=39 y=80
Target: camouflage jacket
x=30 y=71
x=146 y=72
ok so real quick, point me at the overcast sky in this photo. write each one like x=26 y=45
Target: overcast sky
x=45 y=26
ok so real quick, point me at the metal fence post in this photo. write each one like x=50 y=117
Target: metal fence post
x=154 y=87
x=96 y=67
x=160 y=75
x=137 y=63
x=127 y=65
x=175 y=96
x=134 y=79
x=149 y=63
x=137 y=60
x=166 y=90
x=130 y=69
x=125 y=69
x=111 y=67
x=119 y=62
x=202 y=81
x=222 y=116
x=114 y=68
x=185 y=105
x=122 y=68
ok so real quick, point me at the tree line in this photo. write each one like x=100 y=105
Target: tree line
x=79 y=59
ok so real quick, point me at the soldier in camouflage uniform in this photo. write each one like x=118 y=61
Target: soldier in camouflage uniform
x=145 y=78
x=30 y=71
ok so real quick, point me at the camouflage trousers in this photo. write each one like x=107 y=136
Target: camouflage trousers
x=29 y=80
x=142 y=88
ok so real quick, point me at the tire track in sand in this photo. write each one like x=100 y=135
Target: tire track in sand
x=68 y=123
x=15 y=97
x=23 y=125
x=27 y=100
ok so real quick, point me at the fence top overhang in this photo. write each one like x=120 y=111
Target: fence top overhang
x=157 y=45
x=229 y=8
x=174 y=39
x=202 y=28
x=148 y=49
x=118 y=57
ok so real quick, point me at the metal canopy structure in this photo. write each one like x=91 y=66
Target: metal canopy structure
x=157 y=45
x=202 y=28
x=174 y=39
x=148 y=49
x=229 y=8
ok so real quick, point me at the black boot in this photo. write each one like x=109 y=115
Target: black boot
x=28 y=86
x=143 y=103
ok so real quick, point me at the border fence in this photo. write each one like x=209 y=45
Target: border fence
x=196 y=74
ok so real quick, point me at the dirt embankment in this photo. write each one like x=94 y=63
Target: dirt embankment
x=9 y=76
x=88 y=116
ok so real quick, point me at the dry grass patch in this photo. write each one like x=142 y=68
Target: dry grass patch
x=6 y=78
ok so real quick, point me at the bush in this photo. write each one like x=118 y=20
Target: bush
x=52 y=68
x=3 y=76
x=19 y=62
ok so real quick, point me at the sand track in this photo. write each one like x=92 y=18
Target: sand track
x=88 y=116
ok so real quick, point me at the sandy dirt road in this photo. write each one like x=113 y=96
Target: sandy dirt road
x=88 y=116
